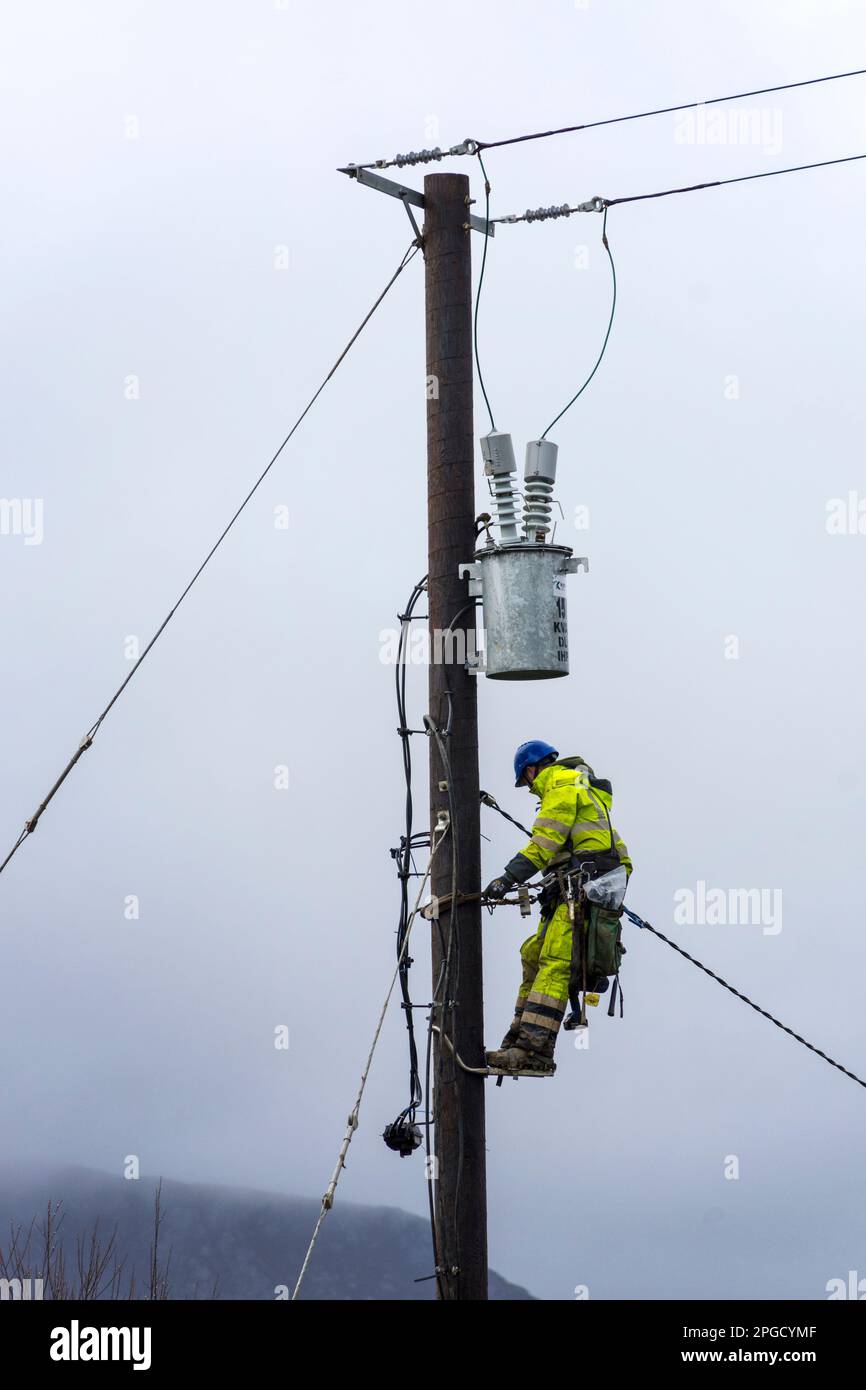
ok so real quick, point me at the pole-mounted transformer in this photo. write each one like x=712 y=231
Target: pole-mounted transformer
x=521 y=578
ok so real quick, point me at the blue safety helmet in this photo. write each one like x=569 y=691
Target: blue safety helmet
x=535 y=751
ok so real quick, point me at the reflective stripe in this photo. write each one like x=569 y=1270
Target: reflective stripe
x=544 y=843
x=591 y=827
x=544 y=823
x=550 y=1025
x=550 y=1000
x=531 y=1020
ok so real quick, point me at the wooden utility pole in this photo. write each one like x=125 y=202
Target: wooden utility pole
x=459 y=1130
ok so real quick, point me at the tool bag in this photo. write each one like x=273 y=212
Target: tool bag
x=596 y=947
x=604 y=948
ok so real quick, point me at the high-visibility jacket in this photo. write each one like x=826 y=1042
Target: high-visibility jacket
x=573 y=818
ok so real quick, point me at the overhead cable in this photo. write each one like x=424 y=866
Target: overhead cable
x=472 y=147
x=639 y=922
x=666 y=110
x=30 y=825
x=598 y=204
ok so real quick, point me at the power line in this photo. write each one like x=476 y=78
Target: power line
x=30 y=825
x=741 y=178
x=666 y=110
x=639 y=922
x=472 y=147
x=602 y=204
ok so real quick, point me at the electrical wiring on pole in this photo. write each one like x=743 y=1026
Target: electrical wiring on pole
x=401 y=1135
x=478 y=293
x=30 y=825
x=597 y=364
x=443 y=1009
x=404 y=856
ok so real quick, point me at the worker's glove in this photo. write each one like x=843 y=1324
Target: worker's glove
x=498 y=887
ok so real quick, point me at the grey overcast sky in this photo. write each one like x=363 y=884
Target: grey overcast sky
x=181 y=266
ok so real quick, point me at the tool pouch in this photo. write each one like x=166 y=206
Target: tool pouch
x=604 y=948
x=601 y=929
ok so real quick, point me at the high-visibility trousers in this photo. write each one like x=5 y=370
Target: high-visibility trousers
x=543 y=994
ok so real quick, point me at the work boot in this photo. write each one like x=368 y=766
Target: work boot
x=510 y=1039
x=519 y=1059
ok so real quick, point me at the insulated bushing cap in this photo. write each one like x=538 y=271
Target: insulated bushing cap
x=541 y=460
x=497 y=451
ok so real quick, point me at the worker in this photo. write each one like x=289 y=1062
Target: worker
x=572 y=829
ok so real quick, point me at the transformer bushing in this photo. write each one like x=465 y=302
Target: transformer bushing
x=539 y=476
x=499 y=465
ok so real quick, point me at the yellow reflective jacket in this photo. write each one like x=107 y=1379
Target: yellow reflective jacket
x=573 y=817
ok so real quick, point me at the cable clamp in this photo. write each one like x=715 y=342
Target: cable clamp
x=593 y=205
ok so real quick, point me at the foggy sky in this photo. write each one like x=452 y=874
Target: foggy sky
x=726 y=416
